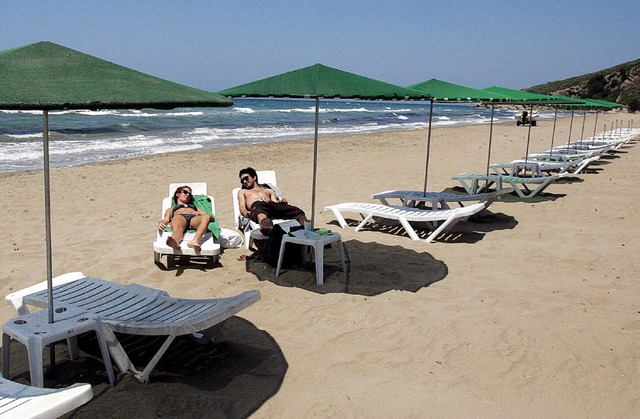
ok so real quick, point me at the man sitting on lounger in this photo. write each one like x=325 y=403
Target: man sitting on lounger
x=261 y=204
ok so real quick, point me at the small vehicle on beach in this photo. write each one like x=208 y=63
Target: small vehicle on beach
x=524 y=119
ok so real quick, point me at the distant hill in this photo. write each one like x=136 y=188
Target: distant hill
x=619 y=84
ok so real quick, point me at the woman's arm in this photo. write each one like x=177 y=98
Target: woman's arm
x=166 y=220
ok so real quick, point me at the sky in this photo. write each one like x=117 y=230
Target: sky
x=217 y=44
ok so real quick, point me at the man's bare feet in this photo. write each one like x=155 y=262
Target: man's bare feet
x=172 y=243
x=194 y=245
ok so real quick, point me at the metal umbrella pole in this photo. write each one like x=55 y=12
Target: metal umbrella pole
x=47 y=211
x=526 y=155
x=426 y=164
x=584 y=118
x=553 y=132
x=595 y=127
x=315 y=165
x=570 y=128
x=490 y=138
x=47 y=228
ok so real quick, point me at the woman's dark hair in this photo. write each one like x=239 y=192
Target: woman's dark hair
x=178 y=190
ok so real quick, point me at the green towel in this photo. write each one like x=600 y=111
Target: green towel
x=203 y=203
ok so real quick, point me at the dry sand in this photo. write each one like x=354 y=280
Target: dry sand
x=531 y=311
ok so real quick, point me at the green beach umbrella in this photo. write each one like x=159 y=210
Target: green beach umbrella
x=46 y=76
x=531 y=99
x=319 y=81
x=445 y=92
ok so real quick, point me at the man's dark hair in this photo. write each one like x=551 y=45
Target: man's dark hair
x=249 y=171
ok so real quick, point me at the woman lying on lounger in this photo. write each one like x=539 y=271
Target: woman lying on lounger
x=184 y=216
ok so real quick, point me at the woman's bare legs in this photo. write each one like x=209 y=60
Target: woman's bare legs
x=178 y=224
x=200 y=222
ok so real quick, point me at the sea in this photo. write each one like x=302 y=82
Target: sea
x=82 y=136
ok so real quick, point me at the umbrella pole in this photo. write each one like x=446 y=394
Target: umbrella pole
x=595 y=126
x=426 y=164
x=47 y=226
x=584 y=118
x=526 y=155
x=47 y=210
x=315 y=164
x=553 y=132
x=490 y=137
x=570 y=128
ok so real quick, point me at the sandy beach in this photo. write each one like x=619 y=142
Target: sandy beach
x=529 y=311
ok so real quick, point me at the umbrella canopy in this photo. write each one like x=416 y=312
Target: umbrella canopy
x=443 y=91
x=605 y=103
x=521 y=96
x=320 y=81
x=46 y=76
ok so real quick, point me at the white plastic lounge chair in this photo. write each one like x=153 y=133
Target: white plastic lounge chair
x=266 y=178
x=534 y=168
x=134 y=309
x=210 y=248
x=474 y=183
x=559 y=163
x=440 y=220
x=412 y=198
x=21 y=401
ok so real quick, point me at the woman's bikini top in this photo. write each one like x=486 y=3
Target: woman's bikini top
x=177 y=207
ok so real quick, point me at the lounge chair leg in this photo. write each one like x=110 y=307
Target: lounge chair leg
x=365 y=221
x=409 y=229
x=117 y=351
x=144 y=375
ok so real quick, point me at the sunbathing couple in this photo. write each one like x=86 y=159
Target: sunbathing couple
x=256 y=203
x=184 y=215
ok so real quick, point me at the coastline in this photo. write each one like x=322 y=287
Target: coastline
x=535 y=315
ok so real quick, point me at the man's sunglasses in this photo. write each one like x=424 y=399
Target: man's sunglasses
x=185 y=192
x=244 y=179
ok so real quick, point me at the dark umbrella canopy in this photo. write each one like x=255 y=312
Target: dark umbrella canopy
x=46 y=76
x=320 y=81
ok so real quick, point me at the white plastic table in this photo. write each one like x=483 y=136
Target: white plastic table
x=35 y=332
x=318 y=242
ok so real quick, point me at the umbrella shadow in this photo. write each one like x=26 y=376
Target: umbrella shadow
x=372 y=269
x=230 y=377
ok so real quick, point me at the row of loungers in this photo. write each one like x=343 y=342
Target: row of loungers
x=525 y=177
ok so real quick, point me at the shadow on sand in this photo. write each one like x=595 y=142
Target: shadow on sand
x=372 y=268
x=231 y=377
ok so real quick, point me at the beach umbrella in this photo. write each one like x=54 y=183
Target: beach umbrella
x=446 y=92
x=532 y=99
x=46 y=76
x=584 y=104
x=316 y=82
